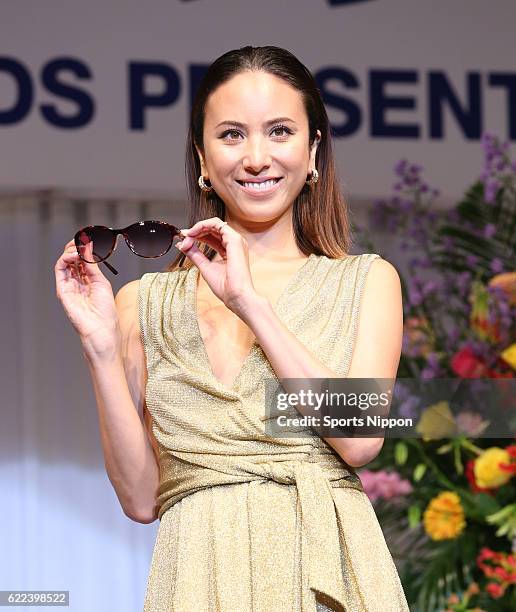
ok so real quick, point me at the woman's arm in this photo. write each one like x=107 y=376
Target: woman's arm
x=376 y=352
x=119 y=380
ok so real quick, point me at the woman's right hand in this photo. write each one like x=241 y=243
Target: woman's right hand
x=88 y=300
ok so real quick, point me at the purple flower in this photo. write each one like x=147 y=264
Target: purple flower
x=471 y=260
x=401 y=391
x=448 y=243
x=492 y=317
x=433 y=360
x=418 y=234
x=429 y=287
x=487 y=139
x=463 y=281
x=427 y=373
x=415 y=297
x=496 y=265
x=504 y=308
x=408 y=409
x=453 y=335
x=489 y=230
x=491 y=189
x=399 y=168
x=425 y=262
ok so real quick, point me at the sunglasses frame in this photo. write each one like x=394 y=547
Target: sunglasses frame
x=174 y=231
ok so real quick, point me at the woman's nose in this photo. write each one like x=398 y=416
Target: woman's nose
x=257 y=153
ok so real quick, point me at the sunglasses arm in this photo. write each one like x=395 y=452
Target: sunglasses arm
x=114 y=270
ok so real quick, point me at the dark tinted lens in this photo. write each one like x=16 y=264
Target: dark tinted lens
x=149 y=239
x=95 y=243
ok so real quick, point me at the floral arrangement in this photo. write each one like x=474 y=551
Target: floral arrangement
x=447 y=502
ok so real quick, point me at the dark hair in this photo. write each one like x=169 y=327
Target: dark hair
x=320 y=214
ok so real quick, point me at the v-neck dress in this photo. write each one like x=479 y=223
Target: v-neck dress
x=250 y=522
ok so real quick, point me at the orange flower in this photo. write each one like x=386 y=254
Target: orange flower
x=444 y=517
x=507 y=282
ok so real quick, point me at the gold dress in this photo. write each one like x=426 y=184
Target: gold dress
x=251 y=522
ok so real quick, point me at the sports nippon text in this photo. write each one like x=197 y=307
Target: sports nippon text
x=328 y=404
x=387 y=407
x=362 y=408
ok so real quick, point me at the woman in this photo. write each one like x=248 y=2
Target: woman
x=264 y=287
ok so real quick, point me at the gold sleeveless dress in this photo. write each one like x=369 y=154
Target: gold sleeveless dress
x=249 y=522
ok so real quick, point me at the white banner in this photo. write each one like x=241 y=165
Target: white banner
x=97 y=95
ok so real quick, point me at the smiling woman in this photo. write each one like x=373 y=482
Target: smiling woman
x=249 y=521
x=264 y=287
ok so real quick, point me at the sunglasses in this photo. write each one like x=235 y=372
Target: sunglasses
x=150 y=239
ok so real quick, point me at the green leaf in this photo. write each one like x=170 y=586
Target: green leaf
x=444 y=449
x=400 y=453
x=419 y=471
x=414 y=516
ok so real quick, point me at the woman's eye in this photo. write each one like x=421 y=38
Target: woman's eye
x=281 y=128
x=231 y=132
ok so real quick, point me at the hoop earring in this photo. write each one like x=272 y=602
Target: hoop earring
x=203 y=186
x=313 y=178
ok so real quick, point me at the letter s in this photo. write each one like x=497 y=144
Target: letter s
x=50 y=79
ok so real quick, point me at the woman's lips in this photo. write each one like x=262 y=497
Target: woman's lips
x=260 y=191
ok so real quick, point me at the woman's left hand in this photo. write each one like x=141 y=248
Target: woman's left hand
x=229 y=278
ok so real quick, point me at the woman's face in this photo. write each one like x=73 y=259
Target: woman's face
x=256 y=131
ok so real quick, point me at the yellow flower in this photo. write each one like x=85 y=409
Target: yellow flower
x=444 y=517
x=436 y=422
x=488 y=474
x=509 y=355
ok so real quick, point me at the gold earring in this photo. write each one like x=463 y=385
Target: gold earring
x=203 y=186
x=314 y=178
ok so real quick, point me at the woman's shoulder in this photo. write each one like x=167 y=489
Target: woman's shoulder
x=127 y=293
x=359 y=257
x=354 y=261
x=369 y=269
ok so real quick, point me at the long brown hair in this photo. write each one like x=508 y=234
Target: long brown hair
x=320 y=212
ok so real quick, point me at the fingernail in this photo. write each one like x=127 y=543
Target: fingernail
x=179 y=244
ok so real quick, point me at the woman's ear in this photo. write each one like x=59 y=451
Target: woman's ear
x=201 y=161
x=313 y=149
